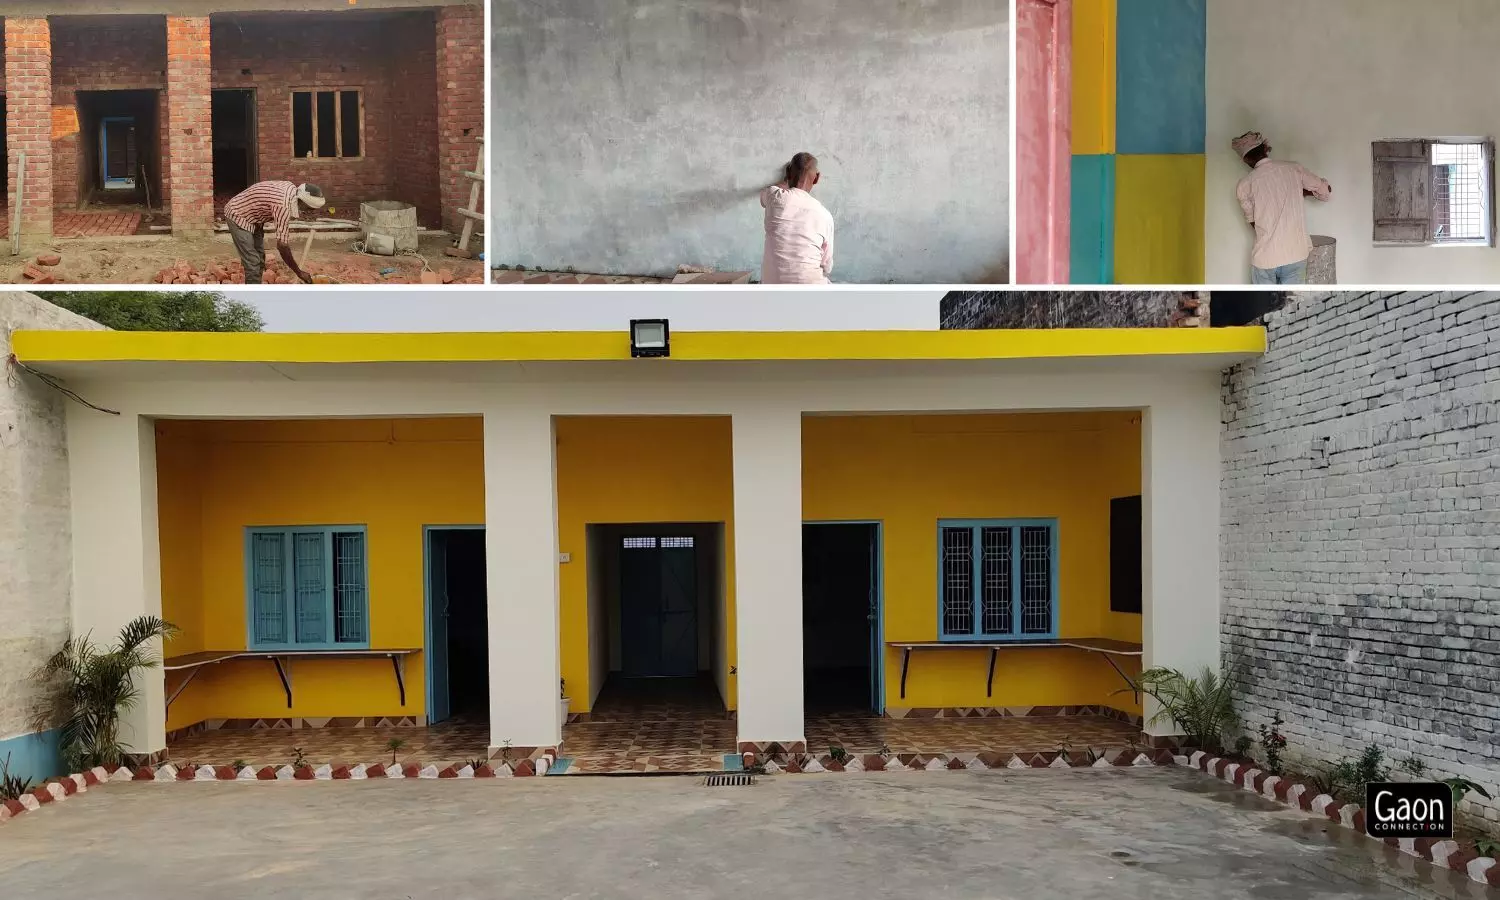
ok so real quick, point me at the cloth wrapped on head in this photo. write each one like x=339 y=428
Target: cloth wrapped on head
x=1247 y=142
x=311 y=195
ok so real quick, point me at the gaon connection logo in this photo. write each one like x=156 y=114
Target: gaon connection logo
x=1421 y=809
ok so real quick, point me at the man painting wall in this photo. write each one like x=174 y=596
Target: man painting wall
x=1271 y=197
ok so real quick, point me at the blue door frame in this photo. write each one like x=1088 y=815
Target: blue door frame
x=428 y=656
x=112 y=183
x=877 y=637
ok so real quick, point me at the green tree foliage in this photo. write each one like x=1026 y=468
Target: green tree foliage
x=159 y=310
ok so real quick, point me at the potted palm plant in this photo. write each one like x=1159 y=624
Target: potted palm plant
x=563 y=703
x=87 y=688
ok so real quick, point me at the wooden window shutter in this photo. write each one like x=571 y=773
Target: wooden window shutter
x=1403 y=192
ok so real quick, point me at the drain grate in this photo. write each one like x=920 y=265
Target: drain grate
x=728 y=779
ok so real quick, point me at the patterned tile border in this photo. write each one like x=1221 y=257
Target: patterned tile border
x=293 y=724
x=1441 y=853
x=54 y=791
x=1009 y=712
x=62 y=788
x=930 y=762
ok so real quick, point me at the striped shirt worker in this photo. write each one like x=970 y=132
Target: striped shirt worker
x=267 y=203
x=274 y=204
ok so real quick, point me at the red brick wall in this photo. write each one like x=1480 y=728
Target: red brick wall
x=460 y=70
x=414 y=92
x=189 y=123
x=28 y=98
x=98 y=53
x=292 y=51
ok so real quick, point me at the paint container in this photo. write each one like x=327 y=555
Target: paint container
x=1322 y=264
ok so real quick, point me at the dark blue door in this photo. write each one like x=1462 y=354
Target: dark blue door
x=658 y=607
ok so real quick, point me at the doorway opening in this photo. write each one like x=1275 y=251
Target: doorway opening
x=656 y=596
x=234 y=130
x=841 y=619
x=457 y=651
x=119 y=144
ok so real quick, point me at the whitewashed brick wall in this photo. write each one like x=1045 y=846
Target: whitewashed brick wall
x=1361 y=528
x=35 y=533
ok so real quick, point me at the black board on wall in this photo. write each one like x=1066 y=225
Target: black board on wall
x=1125 y=554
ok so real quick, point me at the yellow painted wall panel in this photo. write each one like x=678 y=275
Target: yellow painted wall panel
x=392 y=477
x=1159 y=219
x=910 y=471
x=630 y=469
x=1093 y=77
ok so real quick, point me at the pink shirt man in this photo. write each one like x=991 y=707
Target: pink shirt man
x=799 y=237
x=1271 y=197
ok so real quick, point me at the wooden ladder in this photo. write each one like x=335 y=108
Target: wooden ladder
x=471 y=213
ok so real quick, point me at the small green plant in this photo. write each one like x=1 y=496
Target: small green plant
x=505 y=750
x=477 y=764
x=1242 y=746
x=299 y=759
x=1272 y=742
x=1203 y=707
x=837 y=754
x=1413 y=766
x=1347 y=780
x=1487 y=847
x=394 y=745
x=1461 y=788
x=12 y=786
x=239 y=764
x=884 y=751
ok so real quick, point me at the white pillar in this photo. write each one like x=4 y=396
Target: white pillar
x=520 y=516
x=1180 y=534
x=768 y=574
x=116 y=548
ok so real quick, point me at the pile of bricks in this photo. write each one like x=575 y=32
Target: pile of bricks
x=38 y=271
x=1192 y=313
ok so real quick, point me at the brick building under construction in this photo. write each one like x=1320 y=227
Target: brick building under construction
x=176 y=105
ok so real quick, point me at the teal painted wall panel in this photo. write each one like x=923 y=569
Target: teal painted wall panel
x=33 y=756
x=1093 y=220
x=1161 y=76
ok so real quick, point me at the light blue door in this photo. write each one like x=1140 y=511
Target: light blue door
x=877 y=641
x=437 y=630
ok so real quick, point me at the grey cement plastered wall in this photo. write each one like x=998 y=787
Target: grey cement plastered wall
x=632 y=136
x=1361 y=528
x=36 y=559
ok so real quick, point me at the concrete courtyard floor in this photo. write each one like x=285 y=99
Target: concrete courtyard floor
x=1133 y=833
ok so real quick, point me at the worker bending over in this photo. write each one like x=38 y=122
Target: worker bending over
x=799 y=229
x=273 y=203
x=1271 y=196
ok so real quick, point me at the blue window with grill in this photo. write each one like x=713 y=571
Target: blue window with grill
x=307 y=588
x=997 y=579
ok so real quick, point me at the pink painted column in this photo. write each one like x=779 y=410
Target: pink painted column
x=1044 y=129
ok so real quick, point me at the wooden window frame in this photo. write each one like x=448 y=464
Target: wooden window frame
x=977 y=634
x=338 y=123
x=1386 y=156
x=289 y=616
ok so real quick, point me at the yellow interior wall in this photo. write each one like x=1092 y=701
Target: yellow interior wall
x=1159 y=219
x=628 y=469
x=392 y=476
x=910 y=471
x=1093 y=77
